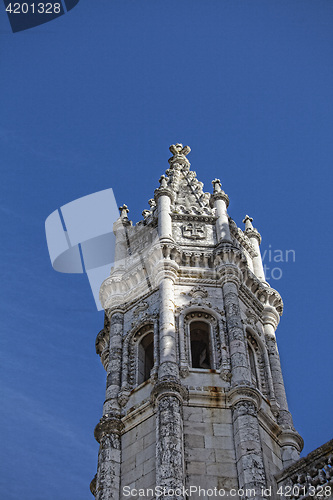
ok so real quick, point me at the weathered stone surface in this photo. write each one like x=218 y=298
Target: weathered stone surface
x=194 y=392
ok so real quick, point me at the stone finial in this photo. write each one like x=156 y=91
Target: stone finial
x=152 y=203
x=163 y=181
x=123 y=212
x=146 y=213
x=179 y=155
x=249 y=230
x=248 y=222
x=217 y=185
x=218 y=193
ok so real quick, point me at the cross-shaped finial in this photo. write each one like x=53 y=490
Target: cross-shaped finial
x=178 y=149
x=123 y=211
x=217 y=185
x=163 y=181
x=248 y=222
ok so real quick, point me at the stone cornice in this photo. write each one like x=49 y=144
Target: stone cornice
x=242 y=238
x=208 y=219
x=250 y=300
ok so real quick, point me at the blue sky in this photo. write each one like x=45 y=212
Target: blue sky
x=92 y=100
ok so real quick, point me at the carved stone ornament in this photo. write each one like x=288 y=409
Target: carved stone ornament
x=169 y=388
x=198 y=291
x=194 y=231
x=108 y=425
x=141 y=307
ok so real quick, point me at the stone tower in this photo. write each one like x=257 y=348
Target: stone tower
x=194 y=396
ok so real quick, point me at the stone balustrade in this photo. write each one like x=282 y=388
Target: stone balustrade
x=311 y=477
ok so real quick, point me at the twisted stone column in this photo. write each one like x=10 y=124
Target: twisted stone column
x=170 y=463
x=240 y=369
x=108 y=430
x=168 y=393
x=271 y=319
x=107 y=433
x=291 y=442
x=249 y=455
x=113 y=381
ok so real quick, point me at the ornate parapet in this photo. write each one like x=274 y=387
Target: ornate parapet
x=311 y=477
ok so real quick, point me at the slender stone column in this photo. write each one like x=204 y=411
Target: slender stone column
x=255 y=239
x=271 y=319
x=170 y=463
x=167 y=340
x=163 y=197
x=108 y=430
x=291 y=442
x=220 y=201
x=240 y=368
x=249 y=455
x=107 y=433
x=113 y=382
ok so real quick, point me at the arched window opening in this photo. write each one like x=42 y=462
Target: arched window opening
x=200 y=345
x=146 y=357
x=253 y=366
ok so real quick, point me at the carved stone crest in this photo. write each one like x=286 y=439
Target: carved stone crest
x=194 y=231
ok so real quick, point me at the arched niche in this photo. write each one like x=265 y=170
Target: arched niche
x=145 y=362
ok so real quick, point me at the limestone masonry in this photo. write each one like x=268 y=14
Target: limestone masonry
x=195 y=395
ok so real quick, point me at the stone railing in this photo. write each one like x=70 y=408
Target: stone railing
x=310 y=477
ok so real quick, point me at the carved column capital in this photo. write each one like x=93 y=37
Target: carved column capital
x=242 y=395
x=290 y=437
x=108 y=424
x=253 y=233
x=169 y=387
x=229 y=273
x=163 y=191
x=112 y=311
x=219 y=195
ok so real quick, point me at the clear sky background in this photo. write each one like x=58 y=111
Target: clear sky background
x=93 y=100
